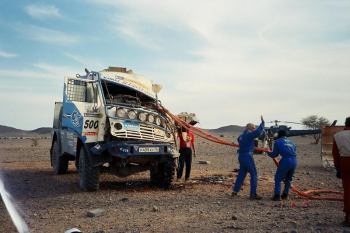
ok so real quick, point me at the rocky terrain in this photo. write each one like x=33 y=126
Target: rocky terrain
x=52 y=203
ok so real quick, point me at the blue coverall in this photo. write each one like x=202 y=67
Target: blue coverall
x=287 y=165
x=246 y=160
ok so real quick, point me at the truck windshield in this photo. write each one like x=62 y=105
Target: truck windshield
x=118 y=94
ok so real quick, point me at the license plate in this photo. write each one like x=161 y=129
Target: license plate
x=148 y=149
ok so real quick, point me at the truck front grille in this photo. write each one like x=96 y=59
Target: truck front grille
x=146 y=132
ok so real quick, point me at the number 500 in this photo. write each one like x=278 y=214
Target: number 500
x=91 y=124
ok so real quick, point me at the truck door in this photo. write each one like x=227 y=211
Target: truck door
x=76 y=100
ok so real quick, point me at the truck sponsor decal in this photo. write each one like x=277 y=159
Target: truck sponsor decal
x=72 y=118
x=124 y=150
x=135 y=84
x=90 y=124
x=75 y=118
x=89 y=133
x=135 y=126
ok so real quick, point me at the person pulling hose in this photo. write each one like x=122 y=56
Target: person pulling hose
x=287 y=165
x=246 y=160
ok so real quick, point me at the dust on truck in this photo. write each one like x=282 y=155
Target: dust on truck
x=109 y=121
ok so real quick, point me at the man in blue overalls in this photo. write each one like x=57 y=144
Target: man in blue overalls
x=246 y=160
x=287 y=165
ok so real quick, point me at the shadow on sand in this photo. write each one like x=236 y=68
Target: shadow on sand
x=34 y=183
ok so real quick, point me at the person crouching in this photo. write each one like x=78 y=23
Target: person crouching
x=287 y=165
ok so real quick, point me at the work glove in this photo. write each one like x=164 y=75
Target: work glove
x=262 y=119
x=338 y=174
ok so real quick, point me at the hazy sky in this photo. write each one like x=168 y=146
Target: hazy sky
x=227 y=61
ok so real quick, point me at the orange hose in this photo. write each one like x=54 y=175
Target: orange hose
x=201 y=133
x=308 y=194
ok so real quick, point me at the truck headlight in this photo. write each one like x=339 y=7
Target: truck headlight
x=163 y=124
x=142 y=116
x=121 y=112
x=150 y=118
x=158 y=121
x=118 y=126
x=168 y=132
x=132 y=115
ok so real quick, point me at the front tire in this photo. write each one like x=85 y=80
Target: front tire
x=89 y=175
x=163 y=174
x=155 y=175
x=168 y=173
x=59 y=162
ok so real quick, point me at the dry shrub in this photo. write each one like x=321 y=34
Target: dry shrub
x=35 y=142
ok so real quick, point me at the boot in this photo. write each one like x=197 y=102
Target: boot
x=255 y=197
x=276 y=197
x=234 y=194
x=284 y=196
x=346 y=222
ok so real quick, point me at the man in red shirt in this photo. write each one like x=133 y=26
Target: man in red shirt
x=341 y=156
x=186 y=138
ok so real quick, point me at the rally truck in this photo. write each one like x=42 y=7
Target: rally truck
x=111 y=121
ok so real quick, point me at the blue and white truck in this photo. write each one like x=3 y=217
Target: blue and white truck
x=109 y=120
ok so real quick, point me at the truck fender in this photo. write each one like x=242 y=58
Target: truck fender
x=95 y=160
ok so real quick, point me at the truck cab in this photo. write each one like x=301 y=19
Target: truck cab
x=110 y=121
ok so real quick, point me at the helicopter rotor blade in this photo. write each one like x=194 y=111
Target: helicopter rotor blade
x=288 y=122
x=291 y=122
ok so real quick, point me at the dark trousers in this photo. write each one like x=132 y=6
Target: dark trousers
x=185 y=157
x=345 y=176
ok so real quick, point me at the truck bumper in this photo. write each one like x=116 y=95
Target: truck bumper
x=128 y=149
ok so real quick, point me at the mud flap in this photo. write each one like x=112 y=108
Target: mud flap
x=96 y=155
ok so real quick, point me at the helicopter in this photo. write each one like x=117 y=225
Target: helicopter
x=269 y=134
x=273 y=130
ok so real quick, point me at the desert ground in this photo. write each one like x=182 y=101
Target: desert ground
x=51 y=203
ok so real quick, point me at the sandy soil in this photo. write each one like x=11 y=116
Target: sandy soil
x=52 y=203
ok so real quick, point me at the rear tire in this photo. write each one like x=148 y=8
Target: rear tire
x=89 y=175
x=59 y=162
